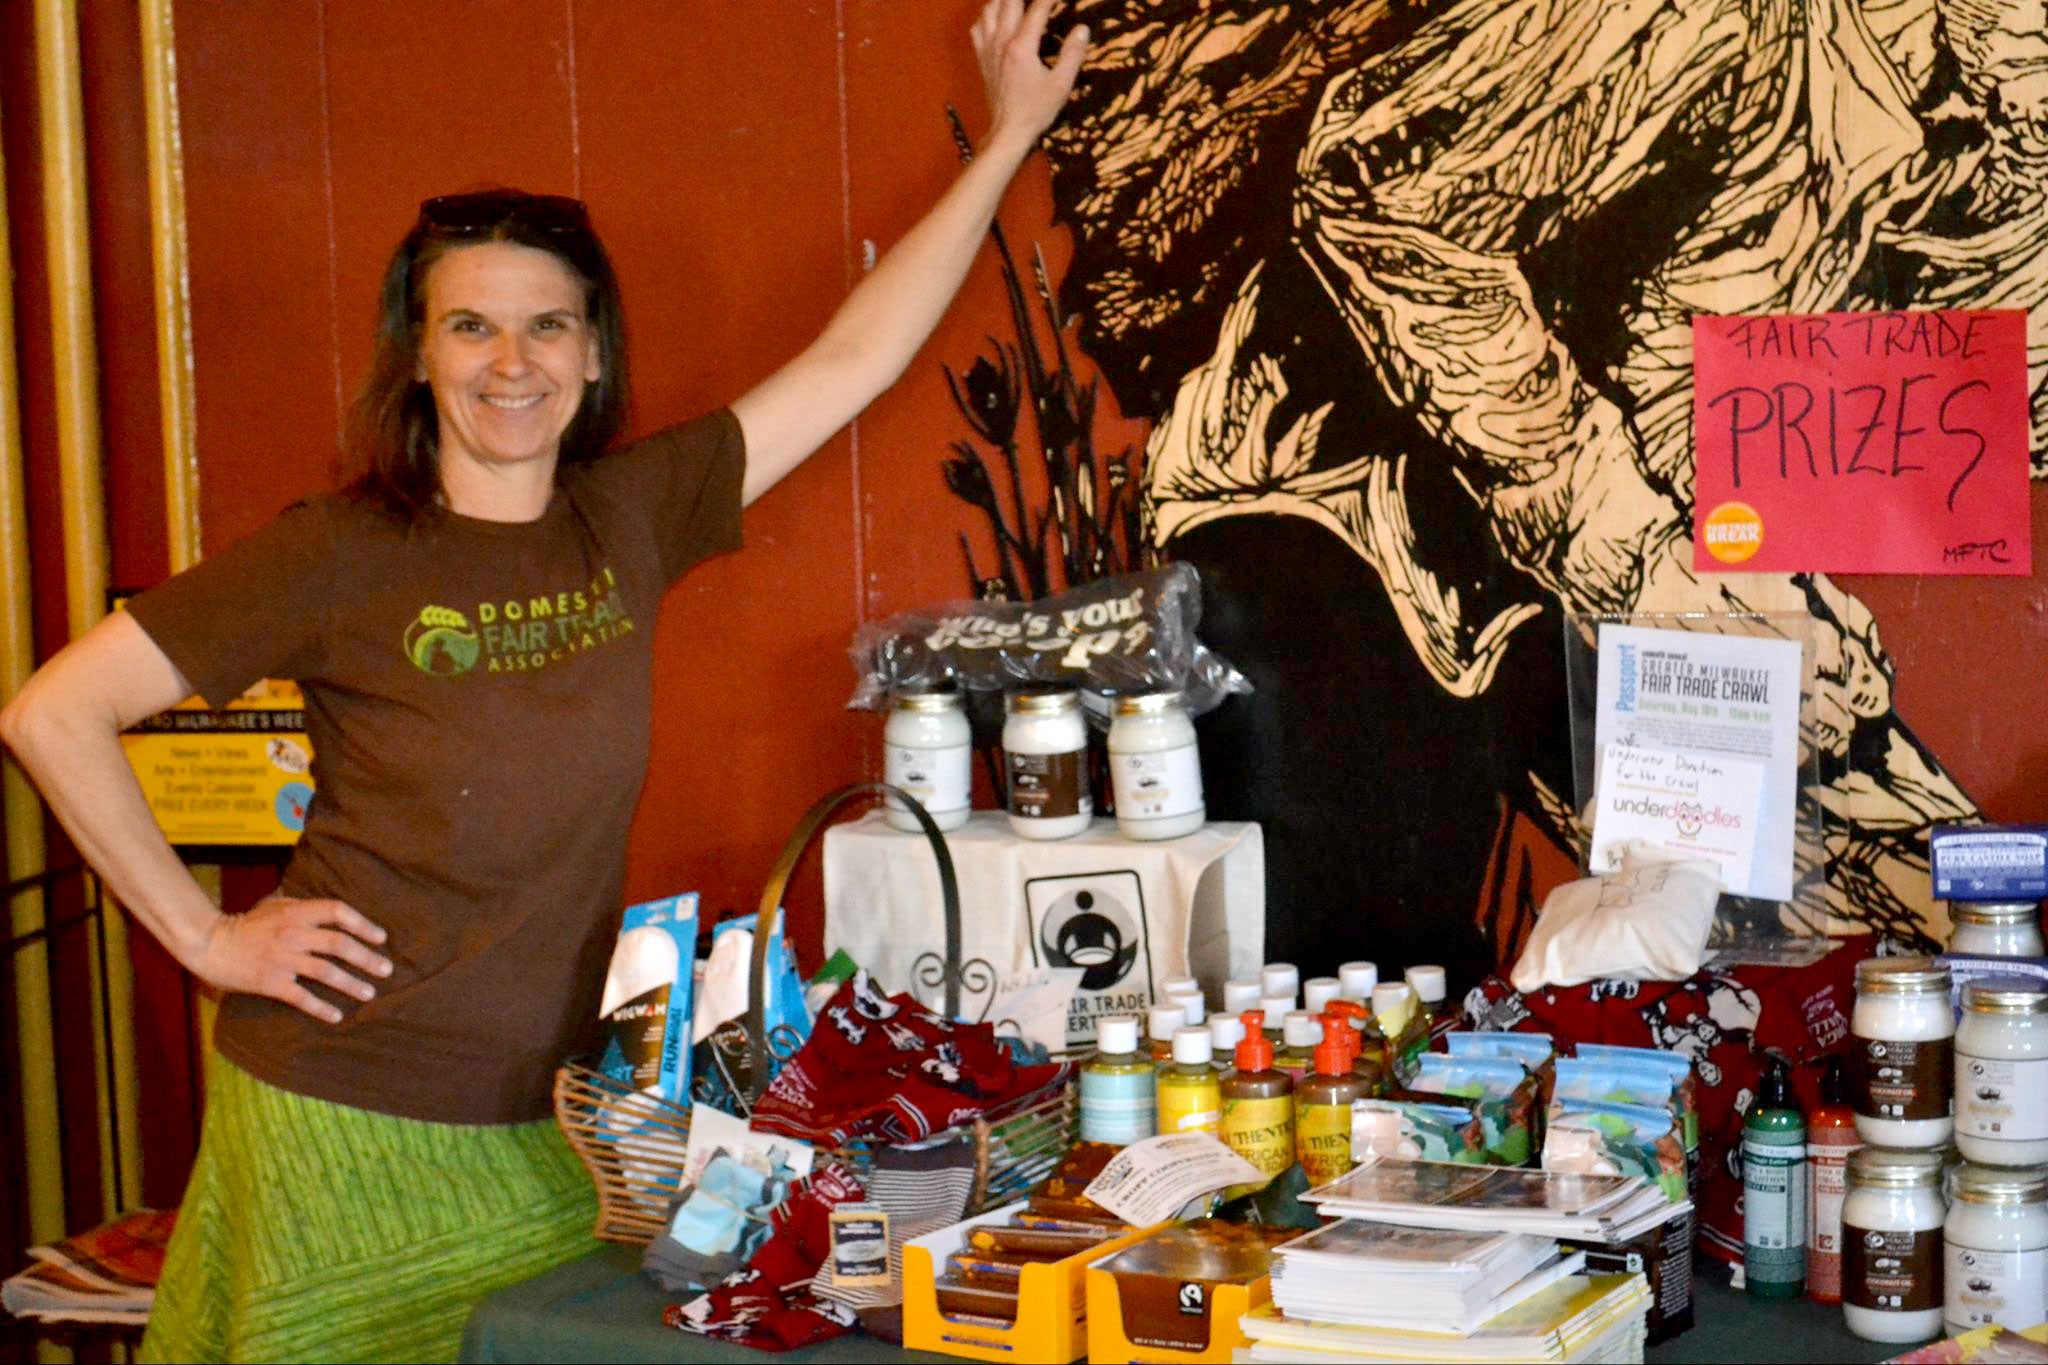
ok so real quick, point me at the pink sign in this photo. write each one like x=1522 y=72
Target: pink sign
x=1861 y=443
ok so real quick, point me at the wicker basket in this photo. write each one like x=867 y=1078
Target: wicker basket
x=639 y=1175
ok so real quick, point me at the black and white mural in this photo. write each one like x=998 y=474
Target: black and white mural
x=1405 y=289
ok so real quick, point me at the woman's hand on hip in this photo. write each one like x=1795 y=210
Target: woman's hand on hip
x=1024 y=94
x=281 y=943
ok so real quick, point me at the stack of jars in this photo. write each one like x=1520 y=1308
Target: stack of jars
x=1929 y=1244
x=1155 y=768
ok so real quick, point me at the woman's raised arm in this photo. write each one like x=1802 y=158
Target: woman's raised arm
x=876 y=332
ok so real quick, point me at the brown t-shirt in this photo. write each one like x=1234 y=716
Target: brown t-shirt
x=478 y=699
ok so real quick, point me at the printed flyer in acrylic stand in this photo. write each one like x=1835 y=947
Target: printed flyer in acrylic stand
x=1710 y=696
x=1700 y=715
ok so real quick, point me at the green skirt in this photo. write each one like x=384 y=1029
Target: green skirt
x=313 y=1231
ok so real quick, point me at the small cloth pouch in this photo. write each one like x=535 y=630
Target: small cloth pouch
x=1648 y=921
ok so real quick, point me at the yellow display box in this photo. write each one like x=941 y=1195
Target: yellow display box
x=1227 y=1305
x=1051 y=1300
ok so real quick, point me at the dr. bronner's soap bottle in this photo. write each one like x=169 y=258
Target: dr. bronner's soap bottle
x=1118 y=1103
x=1322 y=1109
x=1258 y=1107
x=1190 y=1096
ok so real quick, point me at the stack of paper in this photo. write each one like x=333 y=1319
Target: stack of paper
x=106 y=1275
x=1445 y=1195
x=1583 y=1318
x=1367 y=1274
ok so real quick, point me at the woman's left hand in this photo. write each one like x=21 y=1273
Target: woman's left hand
x=1024 y=94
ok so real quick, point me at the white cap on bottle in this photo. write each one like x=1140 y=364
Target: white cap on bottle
x=1116 y=1033
x=1197 y=1009
x=1163 y=1018
x=1392 y=1003
x=1358 y=979
x=1179 y=985
x=1226 y=1031
x=1301 y=1029
x=1279 y=978
x=1276 y=1007
x=1428 y=982
x=1319 y=991
x=1239 y=996
x=1192 y=1045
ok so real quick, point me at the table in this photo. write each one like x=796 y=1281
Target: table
x=600 y=1308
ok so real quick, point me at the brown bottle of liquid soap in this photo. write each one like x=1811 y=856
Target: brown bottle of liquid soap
x=1322 y=1109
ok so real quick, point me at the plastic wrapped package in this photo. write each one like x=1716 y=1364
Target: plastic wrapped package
x=1127 y=633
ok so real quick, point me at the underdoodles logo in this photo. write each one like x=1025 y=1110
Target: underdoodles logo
x=440 y=642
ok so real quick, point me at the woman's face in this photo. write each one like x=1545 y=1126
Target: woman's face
x=507 y=349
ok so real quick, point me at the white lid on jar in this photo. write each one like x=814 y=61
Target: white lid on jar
x=1428 y=982
x=1974 y=1184
x=1044 y=701
x=1192 y=1045
x=1279 y=978
x=1197 y=1008
x=1895 y=1168
x=1116 y=1033
x=1239 y=996
x=1358 y=979
x=1163 y=1018
x=1901 y=976
x=1301 y=1029
x=1993 y=914
x=1178 y=985
x=1147 y=703
x=1391 y=996
x=1319 y=991
x=1226 y=1031
x=1276 y=1008
x=2005 y=995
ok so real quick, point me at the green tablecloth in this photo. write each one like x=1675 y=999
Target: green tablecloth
x=601 y=1308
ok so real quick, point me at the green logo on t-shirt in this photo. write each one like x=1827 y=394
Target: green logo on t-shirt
x=440 y=641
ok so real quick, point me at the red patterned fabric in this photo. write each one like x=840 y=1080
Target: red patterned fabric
x=768 y=1304
x=884 y=1067
x=1724 y=1021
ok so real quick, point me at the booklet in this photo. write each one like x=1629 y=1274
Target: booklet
x=1558 y=1322
x=1432 y=1194
x=1360 y=1247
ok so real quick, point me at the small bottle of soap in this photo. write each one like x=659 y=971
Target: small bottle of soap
x=1190 y=1099
x=1160 y=1022
x=1299 y=1034
x=1118 y=1105
x=1322 y=1109
x=1258 y=1108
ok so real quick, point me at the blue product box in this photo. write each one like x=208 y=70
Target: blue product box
x=1989 y=862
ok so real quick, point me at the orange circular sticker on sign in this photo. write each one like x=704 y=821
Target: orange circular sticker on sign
x=1732 y=532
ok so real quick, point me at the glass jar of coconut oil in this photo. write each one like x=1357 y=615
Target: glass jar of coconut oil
x=1155 y=770
x=928 y=751
x=1891 y=1245
x=1996 y=1258
x=2002 y=1072
x=1900 y=1067
x=1995 y=929
x=1045 y=752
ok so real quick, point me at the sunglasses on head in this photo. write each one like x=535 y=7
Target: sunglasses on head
x=489 y=210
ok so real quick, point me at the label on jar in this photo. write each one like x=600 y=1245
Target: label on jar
x=1827 y=1168
x=1049 y=786
x=941 y=779
x=1891 y=1272
x=2005 y=1287
x=1157 y=786
x=1894 y=1080
x=2002 y=1098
